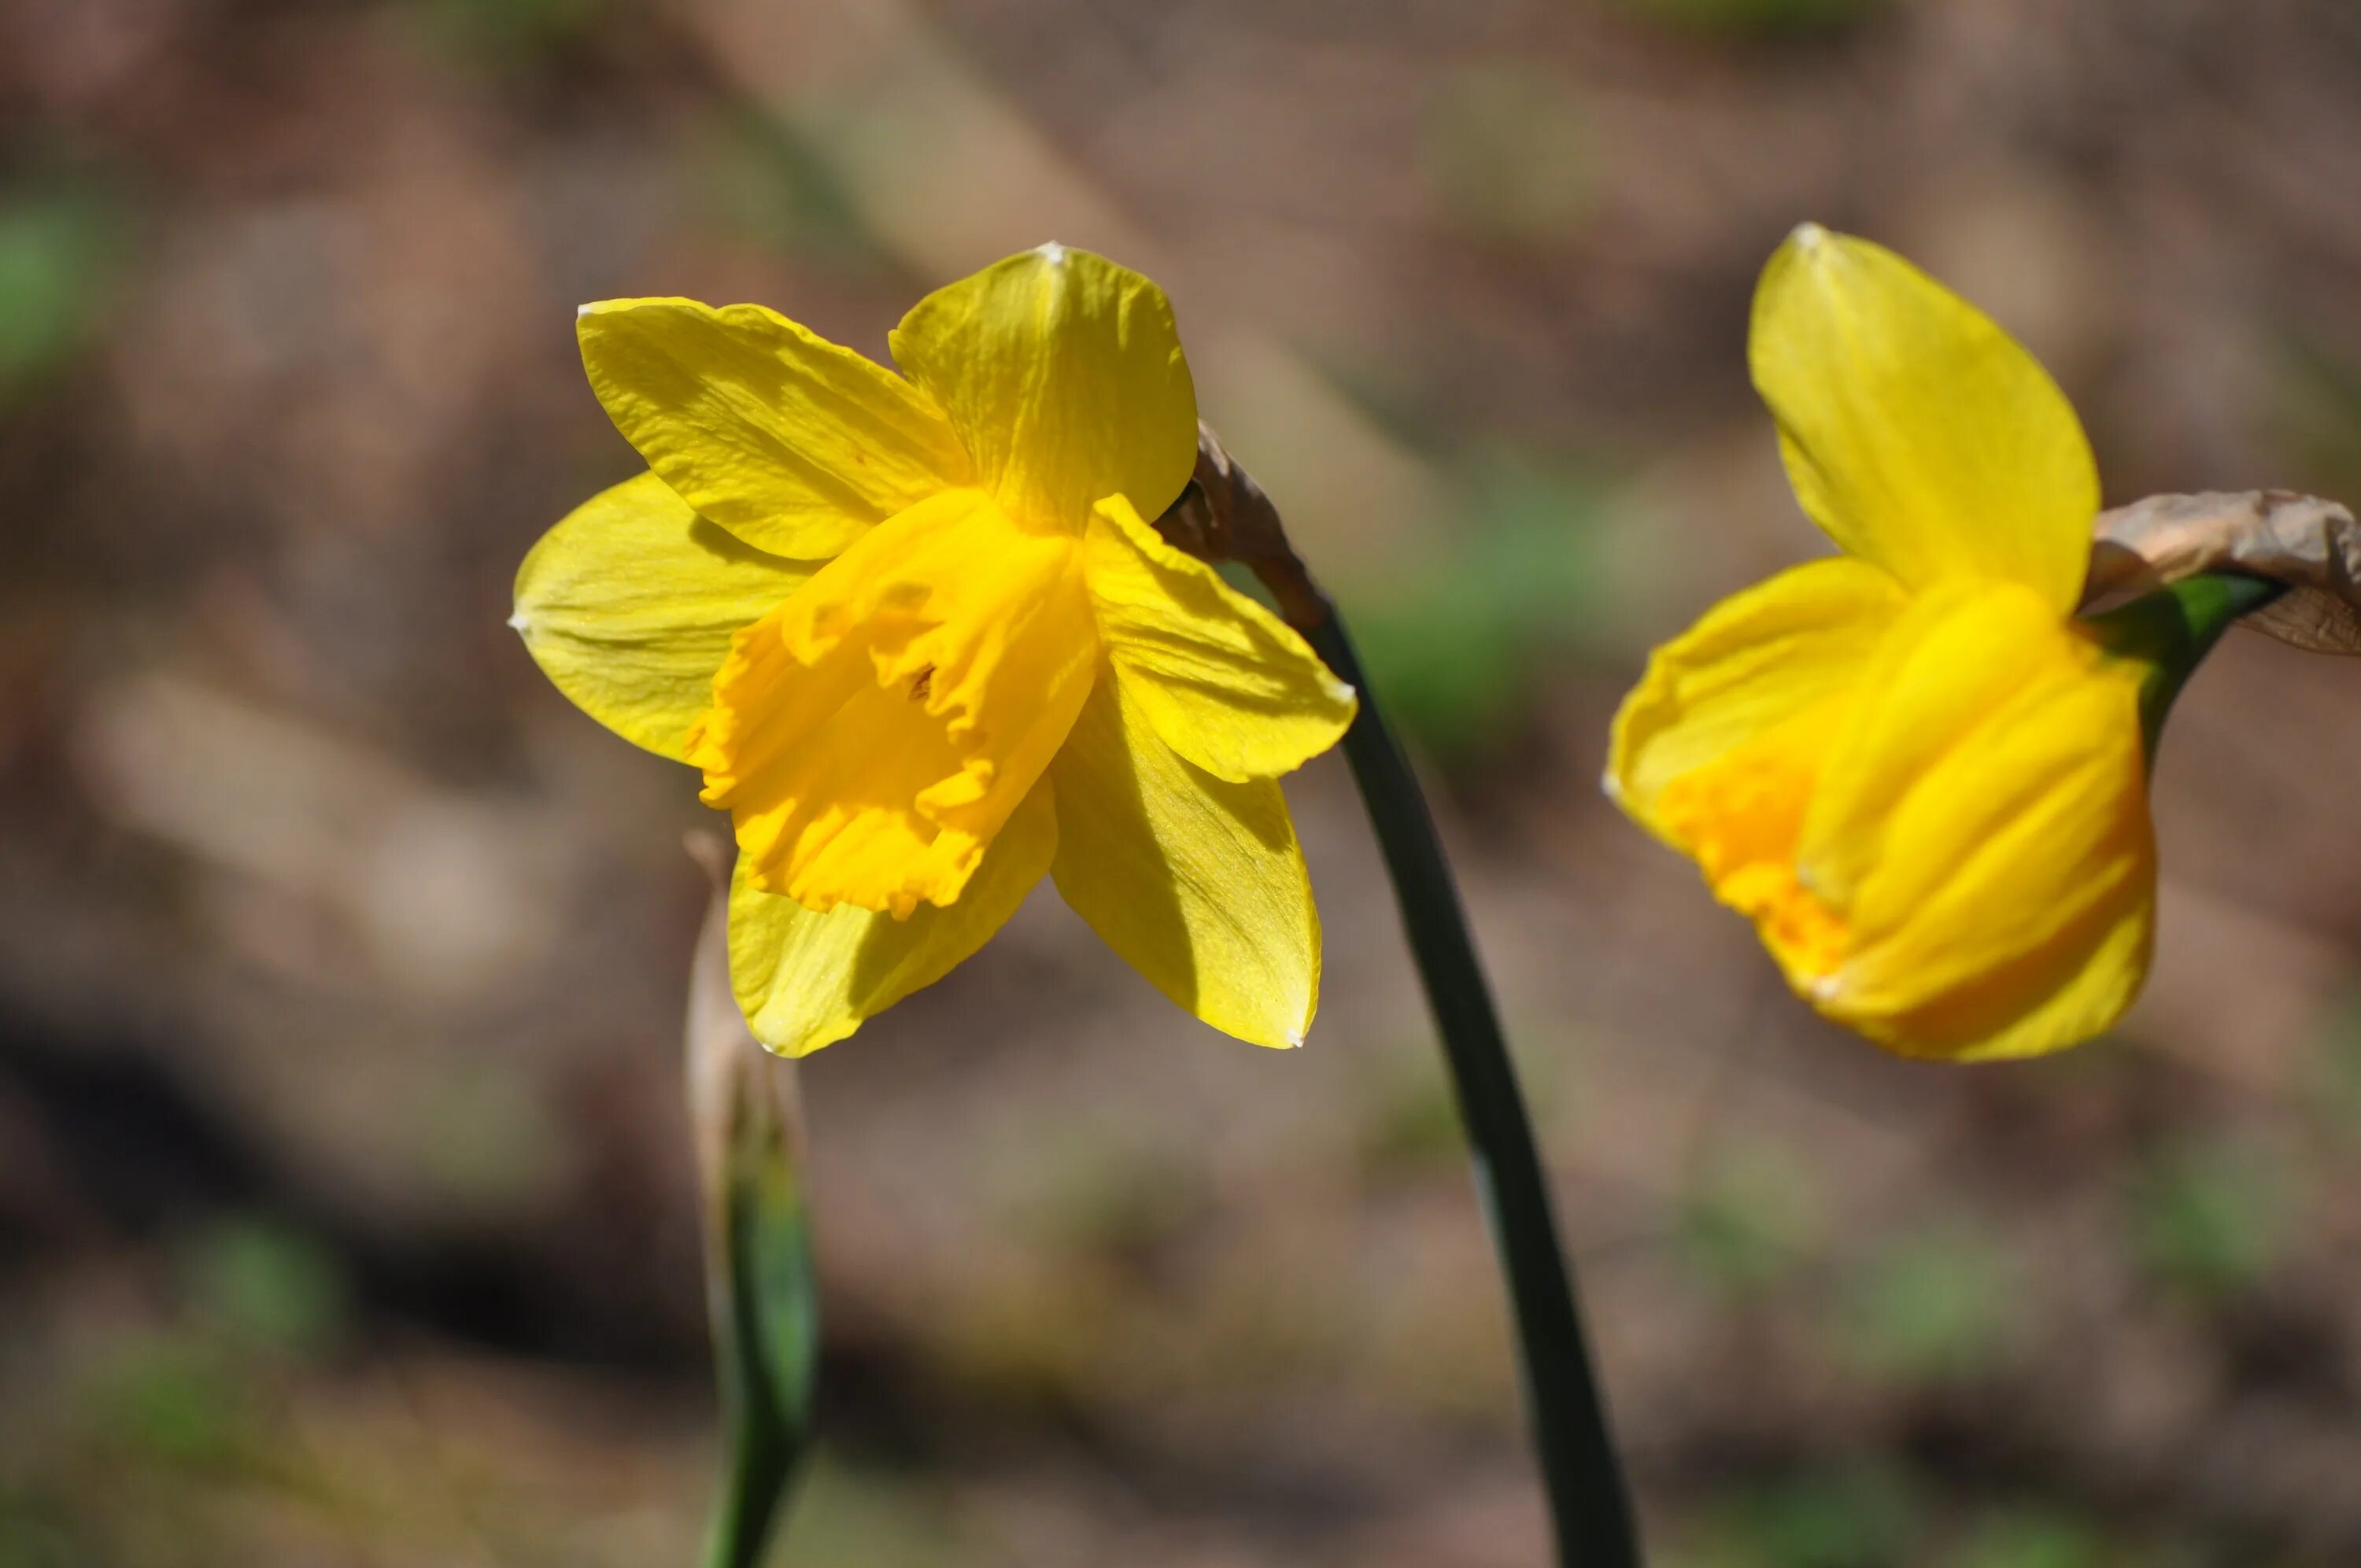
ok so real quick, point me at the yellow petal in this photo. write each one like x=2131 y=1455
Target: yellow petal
x=1915 y=432
x=1760 y=670
x=807 y=980
x=1957 y=656
x=871 y=735
x=1198 y=883
x=790 y=441
x=629 y=603
x=1064 y=377
x=1225 y=683
x=1981 y=830
x=2075 y=987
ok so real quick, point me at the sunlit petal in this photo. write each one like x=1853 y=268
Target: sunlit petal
x=628 y=605
x=1197 y=883
x=1760 y=670
x=1915 y=432
x=790 y=441
x=807 y=980
x=1225 y=683
x=1982 y=831
x=1065 y=379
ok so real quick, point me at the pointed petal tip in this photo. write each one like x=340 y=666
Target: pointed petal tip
x=1051 y=252
x=520 y=622
x=1808 y=237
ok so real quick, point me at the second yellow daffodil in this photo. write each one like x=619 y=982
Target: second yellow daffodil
x=1909 y=765
x=918 y=635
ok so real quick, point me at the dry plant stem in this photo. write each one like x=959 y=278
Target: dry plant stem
x=1224 y=515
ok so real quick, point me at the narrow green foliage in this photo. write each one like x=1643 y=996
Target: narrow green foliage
x=762 y=1293
x=1588 y=1504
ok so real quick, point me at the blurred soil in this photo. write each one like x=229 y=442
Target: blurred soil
x=345 y=1207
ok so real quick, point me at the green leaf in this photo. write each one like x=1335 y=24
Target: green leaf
x=762 y=1293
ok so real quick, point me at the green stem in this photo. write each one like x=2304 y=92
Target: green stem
x=2172 y=629
x=762 y=1294
x=1589 y=1504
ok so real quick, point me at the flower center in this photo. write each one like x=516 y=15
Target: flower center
x=1741 y=818
x=869 y=734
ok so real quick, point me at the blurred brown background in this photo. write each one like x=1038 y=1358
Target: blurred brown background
x=345 y=1205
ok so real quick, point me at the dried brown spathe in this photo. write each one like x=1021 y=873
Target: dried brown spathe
x=2311 y=545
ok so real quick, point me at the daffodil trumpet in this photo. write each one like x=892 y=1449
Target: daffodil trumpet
x=1911 y=765
x=1224 y=516
x=917 y=636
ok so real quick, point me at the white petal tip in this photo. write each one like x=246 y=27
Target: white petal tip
x=1341 y=691
x=1808 y=237
x=1612 y=788
x=581 y=310
x=1828 y=987
x=1294 y=1039
x=1053 y=253
x=519 y=622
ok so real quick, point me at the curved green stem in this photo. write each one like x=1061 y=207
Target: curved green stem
x=1224 y=515
x=2173 y=628
x=1589 y=1504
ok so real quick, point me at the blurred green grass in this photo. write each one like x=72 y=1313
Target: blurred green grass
x=1756 y=18
x=63 y=242
x=1455 y=645
x=1938 y=1304
x=1746 y=1220
x=2209 y=1214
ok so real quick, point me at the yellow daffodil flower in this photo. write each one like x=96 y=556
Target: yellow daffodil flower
x=1922 y=778
x=918 y=635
